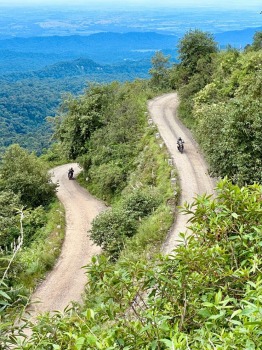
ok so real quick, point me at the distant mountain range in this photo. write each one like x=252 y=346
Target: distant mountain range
x=101 y=47
x=35 y=72
x=84 y=67
x=27 y=54
x=236 y=38
x=99 y=41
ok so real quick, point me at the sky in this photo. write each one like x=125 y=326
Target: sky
x=237 y=4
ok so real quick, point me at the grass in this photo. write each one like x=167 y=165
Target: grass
x=150 y=235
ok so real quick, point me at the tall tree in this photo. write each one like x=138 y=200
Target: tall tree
x=80 y=117
x=193 y=47
x=159 y=70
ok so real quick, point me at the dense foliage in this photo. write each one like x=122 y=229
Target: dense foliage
x=28 y=217
x=9 y=227
x=221 y=101
x=37 y=238
x=229 y=110
x=26 y=188
x=24 y=174
x=207 y=295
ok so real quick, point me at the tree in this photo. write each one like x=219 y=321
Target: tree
x=83 y=115
x=197 y=50
x=196 y=45
x=159 y=70
x=228 y=117
x=257 y=41
x=25 y=175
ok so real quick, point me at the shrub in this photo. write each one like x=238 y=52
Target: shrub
x=110 y=229
x=108 y=179
x=141 y=202
x=25 y=175
x=9 y=220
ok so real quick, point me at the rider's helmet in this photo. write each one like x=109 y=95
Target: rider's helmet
x=179 y=139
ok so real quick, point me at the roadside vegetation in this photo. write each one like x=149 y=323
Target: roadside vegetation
x=221 y=102
x=208 y=294
x=109 y=133
x=31 y=230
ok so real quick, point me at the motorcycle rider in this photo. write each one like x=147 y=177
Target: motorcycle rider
x=180 y=143
x=70 y=173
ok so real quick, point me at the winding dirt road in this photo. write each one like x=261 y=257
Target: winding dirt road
x=65 y=283
x=191 y=166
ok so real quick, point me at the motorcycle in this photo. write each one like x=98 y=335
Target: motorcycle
x=70 y=174
x=180 y=146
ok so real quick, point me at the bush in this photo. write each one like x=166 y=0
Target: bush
x=25 y=175
x=108 y=179
x=110 y=229
x=34 y=220
x=141 y=203
x=9 y=219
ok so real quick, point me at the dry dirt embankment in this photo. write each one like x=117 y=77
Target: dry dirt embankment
x=191 y=166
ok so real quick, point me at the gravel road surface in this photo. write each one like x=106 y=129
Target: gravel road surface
x=65 y=283
x=191 y=166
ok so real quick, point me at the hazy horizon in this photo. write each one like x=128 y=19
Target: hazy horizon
x=129 y=4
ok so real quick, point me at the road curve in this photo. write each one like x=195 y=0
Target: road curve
x=191 y=166
x=65 y=283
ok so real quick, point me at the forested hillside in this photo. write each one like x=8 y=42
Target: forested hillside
x=208 y=294
x=36 y=71
x=26 y=99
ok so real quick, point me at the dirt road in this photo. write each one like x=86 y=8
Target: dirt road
x=191 y=166
x=65 y=283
